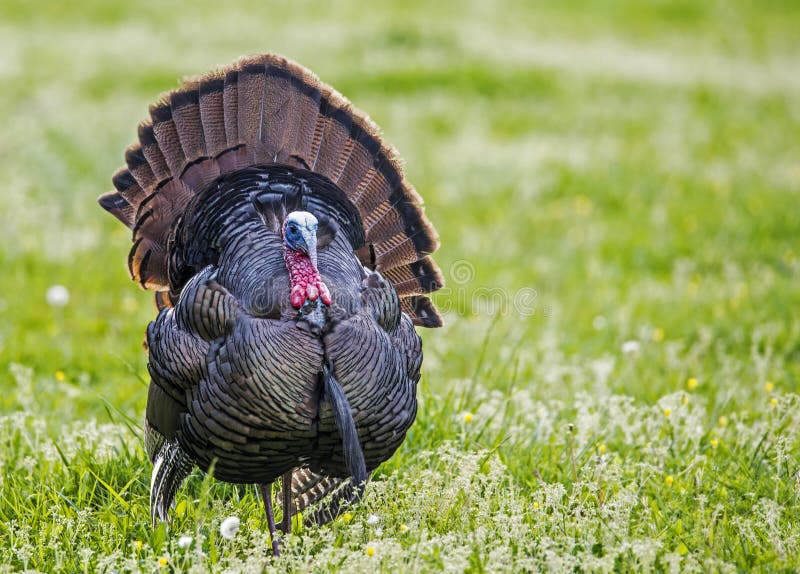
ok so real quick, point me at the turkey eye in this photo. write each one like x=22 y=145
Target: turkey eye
x=293 y=229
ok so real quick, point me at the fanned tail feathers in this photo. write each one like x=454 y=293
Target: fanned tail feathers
x=309 y=487
x=265 y=110
x=322 y=496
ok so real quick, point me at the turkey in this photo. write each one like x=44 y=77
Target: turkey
x=290 y=260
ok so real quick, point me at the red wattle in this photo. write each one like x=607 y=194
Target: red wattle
x=298 y=296
x=324 y=294
x=306 y=284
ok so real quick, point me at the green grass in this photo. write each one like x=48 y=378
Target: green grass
x=599 y=173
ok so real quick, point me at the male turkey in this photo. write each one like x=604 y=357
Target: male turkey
x=290 y=260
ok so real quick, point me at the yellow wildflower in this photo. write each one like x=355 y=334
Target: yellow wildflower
x=602 y=448
x=370 y=551
x=773 y=402
x=722 y=421
x=714 y=443
x=403 y=528
x=60 y=376
x=667 y=412
x=467 y=417
x=347 y=517
x=658 y=335
x=769 y=387
x=137 y=544
x=162 y=562
x=692 y=384
x=669 y=480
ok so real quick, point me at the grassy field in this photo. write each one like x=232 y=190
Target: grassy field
x=616 y=185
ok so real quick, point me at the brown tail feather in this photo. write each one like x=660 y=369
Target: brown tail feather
x=358 y=163
x=152 y=152
x=396 y=252
x=422 y=311
x=163 y=300
x=391 y=232
x=199 y=169
x=309 y=487
x=309 y=98
x=212 y=114
x=167 y=137
x=252 y=92
x=278 y=116
x=154 y=218
x=139 y=167
x=129 y=188
x=143 y=264
x=332 y=148
x=415 y=278
x=236 y=155
x=266 y=109
x=321 y=126
x=116 y=205
x=402 y=249
x=185 y=108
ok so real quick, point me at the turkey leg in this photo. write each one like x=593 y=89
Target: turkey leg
x=266 y=494
x=286 y=489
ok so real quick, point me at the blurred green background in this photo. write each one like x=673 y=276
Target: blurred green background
x=631 y=168
x=633 y=162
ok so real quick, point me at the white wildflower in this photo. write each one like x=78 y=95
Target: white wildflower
x=599 y=323
x=186 y=541
x=229 y=527
x=57 y=296
x=373 y=519
x=631 y=347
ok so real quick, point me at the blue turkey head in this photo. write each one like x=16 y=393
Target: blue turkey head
x=300 y=233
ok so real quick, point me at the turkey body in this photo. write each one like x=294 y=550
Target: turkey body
x=242 y=389
x=254 y=374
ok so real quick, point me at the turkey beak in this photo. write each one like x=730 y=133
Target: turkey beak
x=310 y=239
